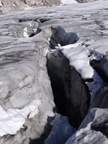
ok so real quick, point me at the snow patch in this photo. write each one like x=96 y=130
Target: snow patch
x=13 y=119
x=25 y=32
x=1 y=4
x=68 y=2
x=79 y=57
x=28 y=8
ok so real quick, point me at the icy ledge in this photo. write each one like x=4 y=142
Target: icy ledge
x=13 y=119
x=79 y=57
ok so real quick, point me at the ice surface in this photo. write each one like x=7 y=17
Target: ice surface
x=13 y=119
x=25 y=32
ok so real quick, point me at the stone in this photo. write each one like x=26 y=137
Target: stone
x=30 y=2
x=13 y=5
x=61 y=130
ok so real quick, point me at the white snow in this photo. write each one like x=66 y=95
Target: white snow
x=25 y=32
x=13 y=119
x=78 y=43
x=68 y=1
x=0 y=3
x=79 y=57
x=28 y=8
